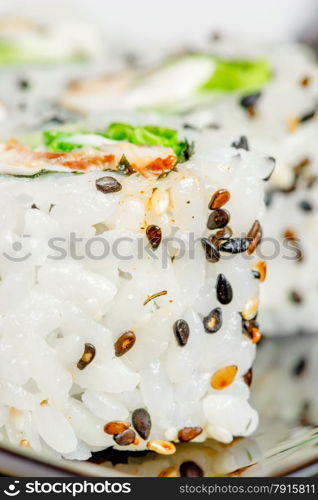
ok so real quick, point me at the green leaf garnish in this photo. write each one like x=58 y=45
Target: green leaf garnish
x=150 y=135
x=56 y=141
x=60 y=141
x=229 y=76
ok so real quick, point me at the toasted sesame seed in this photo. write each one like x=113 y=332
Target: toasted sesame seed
x=124 y=343
x=305 y=81
x=251 y=329
x=24 y=443
x=87 y=356
x=188 y=433
x=154 y=236
x=260 y=268
x=292 y=124
x=168 y=472
x=248 y=377
x=125 y=438
x=295 y=297
x=116 y=427
x=213 y=321
x=161 y=447
x=289 y=235
x=224 y=290
x=212 y=253
x=154 y=296
x=251 y=308
x=255 y=237
x=311 y=181
x=241 y=143
x=235 y=245
x=223 y=377
x=142 y=422
x=190 y=469
x=182 y=331
x=218 y=219
x=219 y=198
x=301 y=166
x=107 y=185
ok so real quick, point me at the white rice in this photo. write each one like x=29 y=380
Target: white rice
x=51 y=308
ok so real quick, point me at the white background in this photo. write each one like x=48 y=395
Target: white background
x=162 y=22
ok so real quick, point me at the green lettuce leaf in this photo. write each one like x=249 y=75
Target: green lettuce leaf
x=59 y=141
x=230 y=76
x=56 y=141
x=151 y=135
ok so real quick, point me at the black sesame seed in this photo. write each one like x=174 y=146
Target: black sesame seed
x=235 y=245
x=299 y=367
x=218 y=219
x=124 y=167
x=213 y=126
x=108 y=185
x=249 y=101
x=125 y=438
x=213 y=321
x=212 y=253
x=56 y=119
x=308 y=116
x=224 y=290
x=182 y=331
x=242 y=143
x=23 y=84
x=142 y=422
x=190 y=469
x=295 y=297
x=306 y=206
x=34 y=206
x=190 y=126
x=256 y=274
x=269 y=195
x=273 y=161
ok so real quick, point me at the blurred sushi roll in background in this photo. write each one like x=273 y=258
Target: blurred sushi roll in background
x=38 y=59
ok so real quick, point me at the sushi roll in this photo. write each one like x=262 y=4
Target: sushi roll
x=37 y=61
x=176 y=85
x=24 y=41
x=129 y=288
